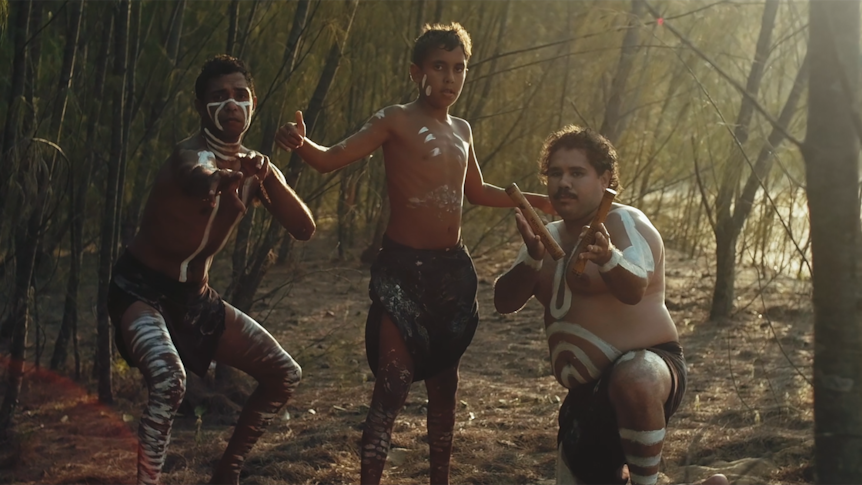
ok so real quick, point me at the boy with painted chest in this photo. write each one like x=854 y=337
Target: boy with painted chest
x=423 y=283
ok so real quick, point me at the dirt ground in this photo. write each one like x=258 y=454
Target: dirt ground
x=747 y=413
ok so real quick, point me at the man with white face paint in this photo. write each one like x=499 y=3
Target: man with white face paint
x=611 y=339
x=166 y=316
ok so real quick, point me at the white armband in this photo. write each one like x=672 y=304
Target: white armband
x=616 y=257
x=524 y=257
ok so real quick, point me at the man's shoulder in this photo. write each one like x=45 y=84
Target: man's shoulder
x=631 y=211
x=632 y=215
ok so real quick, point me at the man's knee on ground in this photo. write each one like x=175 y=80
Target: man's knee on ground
x=639 y=377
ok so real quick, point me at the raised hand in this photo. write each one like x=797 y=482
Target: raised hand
x=534 y=243
x=600 y=251
x=254 y=164
x=223 y=181
x=291 y=135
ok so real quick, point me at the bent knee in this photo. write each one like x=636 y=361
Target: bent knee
x=284 y=376
x=639 y=376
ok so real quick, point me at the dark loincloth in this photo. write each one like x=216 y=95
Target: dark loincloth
x=588 y=427
x=194 y=315
x=431 y=297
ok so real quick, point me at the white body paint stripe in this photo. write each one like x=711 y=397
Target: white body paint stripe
x=643 y=437
x=579 y=354
x=637 y=258
x=569 y=371
x=435 y=152
x=430 y=137
x=422 y=130
x=559 y=312
x=644 y=461
x=184 y=266
x=568 y=328
x=643 y=480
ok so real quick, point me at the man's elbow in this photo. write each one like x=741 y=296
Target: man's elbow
x=633 y=295
x=304 y=231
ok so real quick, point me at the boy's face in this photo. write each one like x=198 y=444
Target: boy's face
x=574 y=186
x=441 y=76
x=227 y=106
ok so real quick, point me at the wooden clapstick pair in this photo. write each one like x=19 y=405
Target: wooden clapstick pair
x=590 y=235
x=535 y=222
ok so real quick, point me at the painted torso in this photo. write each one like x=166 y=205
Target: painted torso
x=588 y=327
x=180 y=234
x=426 y=164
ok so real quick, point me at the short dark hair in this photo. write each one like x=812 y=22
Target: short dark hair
x=220 y=65
x=441 y=36
x=600 y=153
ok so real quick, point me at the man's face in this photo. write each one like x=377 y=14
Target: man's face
x=227 y=106
x=574 y=186
x=441 y=76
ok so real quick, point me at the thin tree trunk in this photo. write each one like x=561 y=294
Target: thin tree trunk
x=270 y=113
x=831 y=151
x=232 y=25
x=106 y=253
x=263 y=259
x=612 y=125
x=15 y=100
x=725 y=239
x=75 y=14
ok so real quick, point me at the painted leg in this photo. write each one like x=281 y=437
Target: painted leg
x=247 y=346
x=394 y=377
x=150 y=346
x=640 y=384
x=442 y=391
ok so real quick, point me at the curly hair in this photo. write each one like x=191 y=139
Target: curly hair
x=442 y=36
x=600 y=153
x=220 y=65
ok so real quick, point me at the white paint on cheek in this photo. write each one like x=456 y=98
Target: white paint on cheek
x=430 y=137
x=427 y=90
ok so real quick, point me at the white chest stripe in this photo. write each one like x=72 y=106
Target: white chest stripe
x=637 y=258
x=559 y=312
x=567 y=328
x=184 y=266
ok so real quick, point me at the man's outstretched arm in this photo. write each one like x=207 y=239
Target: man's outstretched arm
x=327 y=159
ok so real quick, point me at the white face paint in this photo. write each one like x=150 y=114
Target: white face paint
x=427 y=90
x=247 y=108
x=424 y=80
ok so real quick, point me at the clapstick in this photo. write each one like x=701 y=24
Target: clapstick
x=535 y=223
x=590 y=235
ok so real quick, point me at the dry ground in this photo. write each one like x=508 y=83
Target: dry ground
x=747 y=412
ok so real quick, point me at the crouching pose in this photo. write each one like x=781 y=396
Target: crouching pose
x=612 y=342
x=166 y=316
